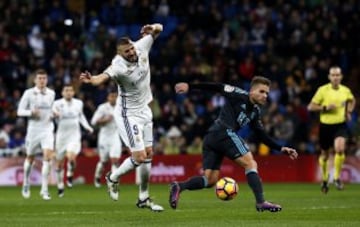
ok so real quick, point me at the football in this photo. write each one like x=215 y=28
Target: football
x=226 y=188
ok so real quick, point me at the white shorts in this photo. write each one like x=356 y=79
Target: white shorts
x=67 y=145
x=135 y=129
x=36 y=142
x=110 y=148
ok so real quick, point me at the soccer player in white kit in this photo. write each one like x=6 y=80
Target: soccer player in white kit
x=69 y=115
x=36 y=104
x=109 y=142
x=130 y=69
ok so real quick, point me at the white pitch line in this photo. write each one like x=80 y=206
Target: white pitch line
x=325 y=208
x=68 y=212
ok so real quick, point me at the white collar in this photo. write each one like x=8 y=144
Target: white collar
x=37 y=90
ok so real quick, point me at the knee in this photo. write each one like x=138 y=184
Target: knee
x=149 y=152
x=250 y=164
x=48 y=155
x=340 y=149
x=30 y=158
x=325 y=155
x=139 y=156
x=60 y=164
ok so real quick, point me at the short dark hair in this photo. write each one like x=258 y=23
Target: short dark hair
x=40 y=71
x=112 y=90
x=260 y=80
x=124 y=41
x=68 y=85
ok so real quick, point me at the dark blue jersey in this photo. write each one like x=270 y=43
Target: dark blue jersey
x=237 y=112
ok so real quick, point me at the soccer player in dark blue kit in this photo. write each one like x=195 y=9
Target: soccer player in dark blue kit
x=241 y=108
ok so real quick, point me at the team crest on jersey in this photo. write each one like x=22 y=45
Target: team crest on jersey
x=137 y=139
x=229 y=88
x=143 y=60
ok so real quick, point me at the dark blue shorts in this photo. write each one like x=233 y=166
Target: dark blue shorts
x=219 y=144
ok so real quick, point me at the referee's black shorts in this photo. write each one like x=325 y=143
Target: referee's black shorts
x=328 y=133
x=219 y=144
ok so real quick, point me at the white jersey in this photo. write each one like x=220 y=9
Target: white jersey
x=108 y=130
x=71 y=115
x=133 y=79
x=33 y=99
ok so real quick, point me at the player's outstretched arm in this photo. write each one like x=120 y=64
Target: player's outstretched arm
x=86 y=77
x=152 y=29
x=290 y=151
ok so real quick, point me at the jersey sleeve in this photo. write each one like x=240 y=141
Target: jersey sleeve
x=52 y=96
x=24 y=105
x=318 y=97
x=224 y=89
x=55 y=107
x=115 y=70
x=144 y=43
x=83 y=120
x=97 y=115
x=259 y=130
x=350 y=95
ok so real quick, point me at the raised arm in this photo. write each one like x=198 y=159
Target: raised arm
x=224 y=89
x=95 y=80
x=151 y=29
x=85 y=123
x=185 y=87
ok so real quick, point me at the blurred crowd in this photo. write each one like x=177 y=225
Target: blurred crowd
x=291 y=42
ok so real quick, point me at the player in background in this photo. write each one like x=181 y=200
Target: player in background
x=241 y=108
x=130 y=69
x=36 y=104
x=68 y=112
x=109 y=143
x=335 y=103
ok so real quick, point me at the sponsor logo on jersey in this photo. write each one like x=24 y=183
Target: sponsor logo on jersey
x=229 y=88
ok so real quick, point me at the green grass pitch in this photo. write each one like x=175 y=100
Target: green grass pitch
x=303 y=205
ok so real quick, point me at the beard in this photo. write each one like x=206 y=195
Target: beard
x=132 y=59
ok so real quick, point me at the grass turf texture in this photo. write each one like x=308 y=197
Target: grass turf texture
x=303 y=205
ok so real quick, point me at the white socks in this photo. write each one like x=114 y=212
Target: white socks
x=45 y=173
x=27 y=170
x=125 y=167
x=98 y=170
x=70 y=169
x=60 y=178
x=144 y=172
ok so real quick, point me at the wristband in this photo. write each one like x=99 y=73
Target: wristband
x=324 y=108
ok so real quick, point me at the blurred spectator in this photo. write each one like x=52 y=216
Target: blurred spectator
x=173 y=143
x=17 y=139
x=4 y=138
x=196 y=146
